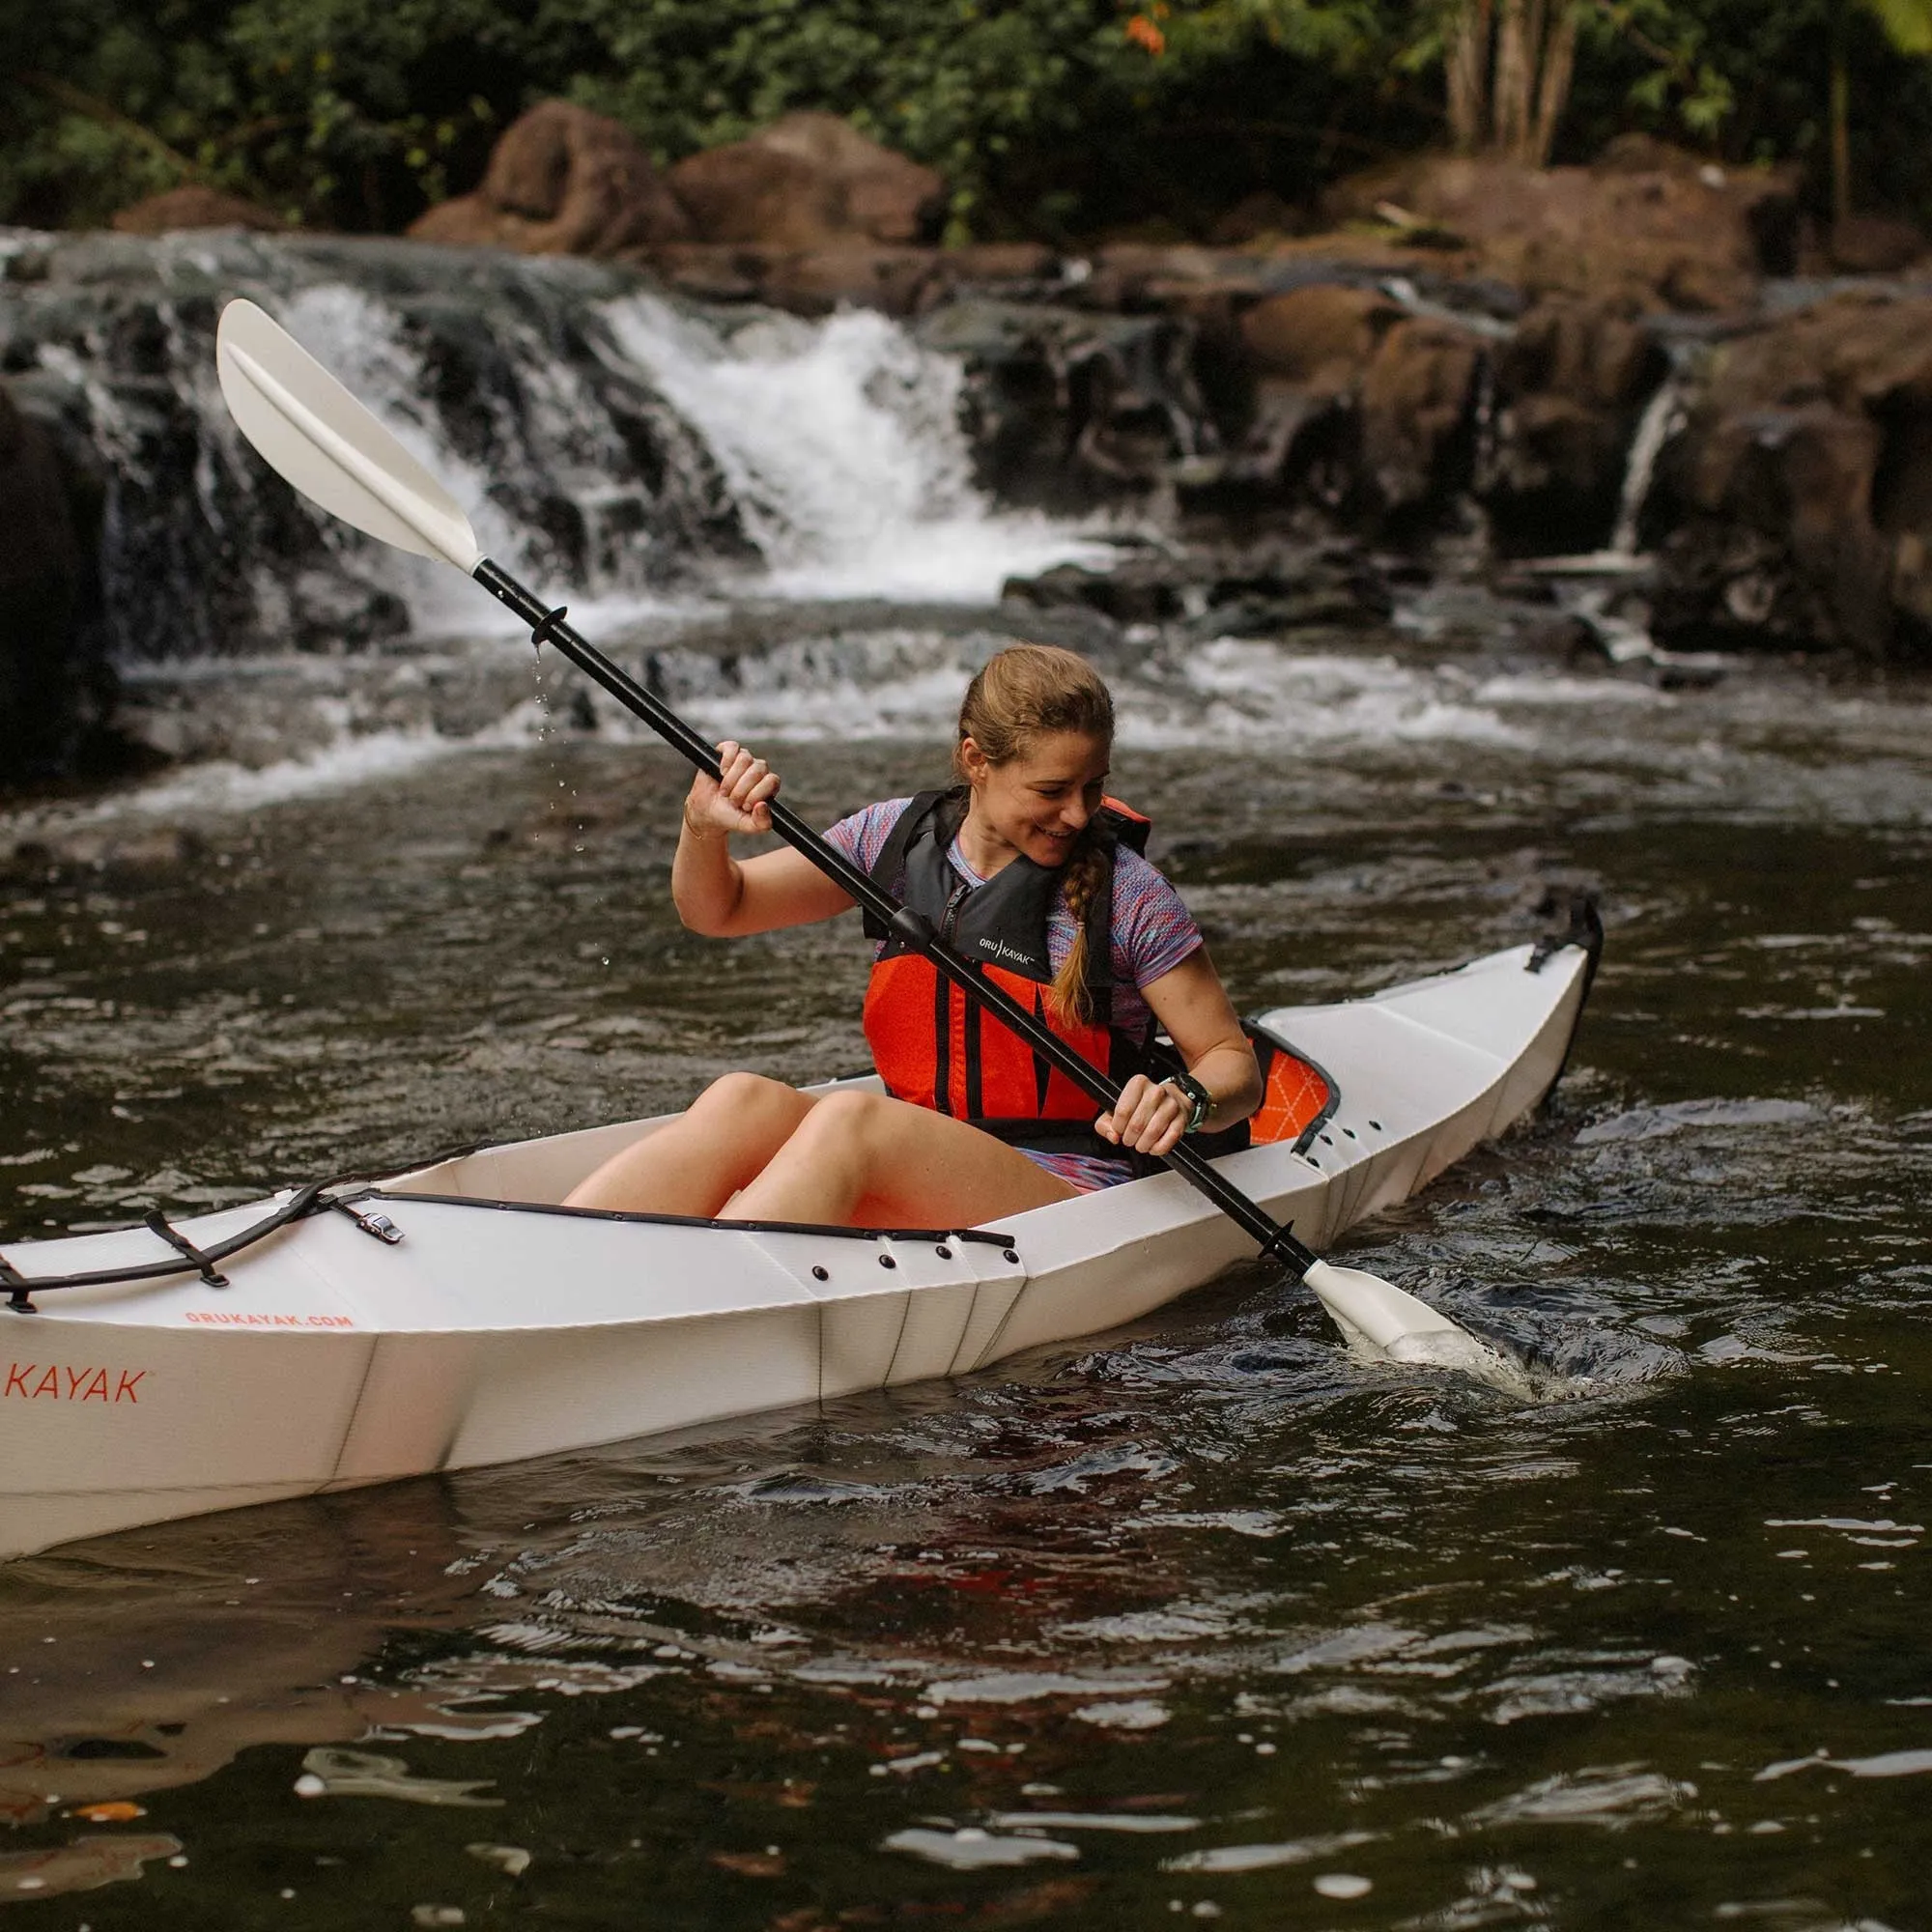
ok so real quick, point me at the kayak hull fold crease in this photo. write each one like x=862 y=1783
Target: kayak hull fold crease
x=500 y=1327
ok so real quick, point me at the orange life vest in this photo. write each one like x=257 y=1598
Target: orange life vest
x=935 y=1047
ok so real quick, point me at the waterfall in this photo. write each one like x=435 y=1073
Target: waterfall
x=1661 y=419
x=842 y=445
x=609 y=444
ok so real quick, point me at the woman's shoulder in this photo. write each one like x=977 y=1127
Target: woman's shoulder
x=862 y=834
x=1136 y=876
x=1152 y=927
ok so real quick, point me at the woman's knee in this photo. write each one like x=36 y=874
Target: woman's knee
x=844 y=1121
x=742 y=1097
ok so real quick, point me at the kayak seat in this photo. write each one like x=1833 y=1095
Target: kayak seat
x=1297 y=1097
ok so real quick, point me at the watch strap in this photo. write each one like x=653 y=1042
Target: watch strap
x=1198 y=1097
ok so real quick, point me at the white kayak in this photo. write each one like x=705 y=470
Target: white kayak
x=454 y=1314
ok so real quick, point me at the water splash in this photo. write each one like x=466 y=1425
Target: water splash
x=842 y=445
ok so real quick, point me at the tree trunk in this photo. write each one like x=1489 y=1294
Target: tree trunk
x=1509 y=98
x=1552 y=91
x=1467 y=65
x=1841 y=119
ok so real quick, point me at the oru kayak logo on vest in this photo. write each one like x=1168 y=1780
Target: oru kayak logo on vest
x=55 y=1382
x=1002 y=953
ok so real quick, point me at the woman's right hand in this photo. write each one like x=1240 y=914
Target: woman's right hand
x=737 y=800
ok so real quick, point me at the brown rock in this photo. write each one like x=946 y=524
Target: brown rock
x=982 y=262
x=563 y=181
x=1874 y=244
x=1671 y=236
x=1800 y=494
x=710 y=272
x=193 y=208
x=1324 y=336
x=896 y=281
x=1594 y=353
x=1414 y=400
x=807 y=180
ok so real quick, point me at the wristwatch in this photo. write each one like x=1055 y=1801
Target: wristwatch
x=1197 y=1095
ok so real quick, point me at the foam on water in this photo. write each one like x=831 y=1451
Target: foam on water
x=1232 y=692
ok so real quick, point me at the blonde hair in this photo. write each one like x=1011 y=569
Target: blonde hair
x=1023 y=694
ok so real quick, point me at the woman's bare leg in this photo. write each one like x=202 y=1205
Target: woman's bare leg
x=693 y=1166
x=862 y=1159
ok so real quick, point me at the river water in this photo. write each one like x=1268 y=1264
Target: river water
x=1195 y=1619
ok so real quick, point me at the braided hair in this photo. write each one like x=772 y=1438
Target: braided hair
x=1028 y=691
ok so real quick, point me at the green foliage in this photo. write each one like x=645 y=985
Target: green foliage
x=1046 y=116
x=954 y=83
x=1907 y=23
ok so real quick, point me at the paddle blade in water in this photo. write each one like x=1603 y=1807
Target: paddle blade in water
x=310 y=430
x=1379 y=1320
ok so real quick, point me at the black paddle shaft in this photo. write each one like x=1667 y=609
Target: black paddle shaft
x=547 y=626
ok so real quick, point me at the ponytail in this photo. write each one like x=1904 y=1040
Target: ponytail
x=1070 y=996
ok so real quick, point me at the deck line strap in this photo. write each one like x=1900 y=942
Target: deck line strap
x=16 y=1284
x=157 y=1223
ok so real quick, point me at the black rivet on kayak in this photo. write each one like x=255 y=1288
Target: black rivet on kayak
x=1012 y=1255
x=821 y=1274
x=887 y=1262
x=1377 y=1126
x=1327 y=1140
x=1349 y=1132
x=944 y=1253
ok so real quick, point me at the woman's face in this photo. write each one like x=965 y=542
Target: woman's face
x=1040 y=801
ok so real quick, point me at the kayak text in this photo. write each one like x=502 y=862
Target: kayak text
x=224 y=1318
x=30 y=1381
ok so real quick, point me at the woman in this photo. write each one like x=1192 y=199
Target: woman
x=1023 y=869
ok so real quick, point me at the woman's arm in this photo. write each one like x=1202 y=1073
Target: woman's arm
x=717 y=896
x=1193 y=1005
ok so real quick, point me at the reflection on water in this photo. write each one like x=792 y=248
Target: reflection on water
x=1198 y=1618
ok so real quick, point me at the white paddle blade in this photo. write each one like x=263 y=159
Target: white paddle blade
x=310 y=430
x=1378 y=1318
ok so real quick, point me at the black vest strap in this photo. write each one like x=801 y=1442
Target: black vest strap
x=943 y=812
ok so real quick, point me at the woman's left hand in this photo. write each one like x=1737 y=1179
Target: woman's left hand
x=1147 y=1119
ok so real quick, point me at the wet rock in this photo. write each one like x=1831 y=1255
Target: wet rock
x=563 y=181
x=896 y=281
x=194 y=207
x=1798 y=497
x=804 y=181
x=1415 y=404
x=1570 y=384
x=56 y=689
x=1068 y=408
x=1129 y=594
x=1264 y=589
x=1322 y=338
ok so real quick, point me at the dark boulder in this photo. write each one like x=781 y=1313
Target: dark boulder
x=807 y=181
x=1065 y=408
x=1570 y=385
x=1799 y=498
x=56 y=689
x=563 y=181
